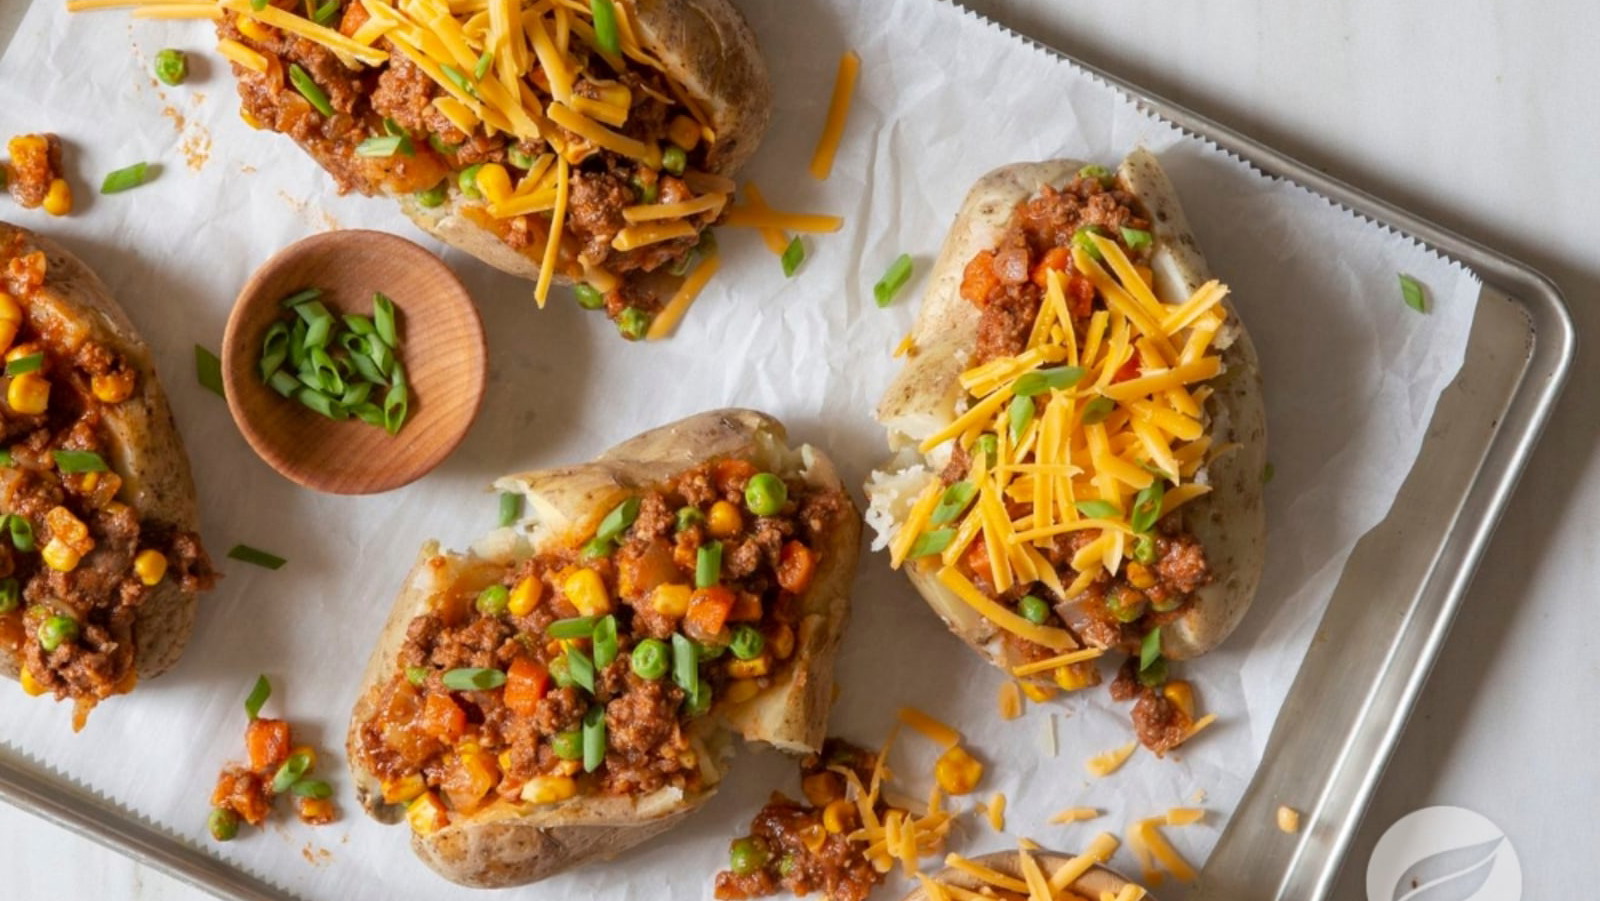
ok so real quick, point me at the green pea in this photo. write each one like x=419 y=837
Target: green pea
x=633 y=323
x=1168 y=603
x=172 y=67
x=468 y=181
x=747 y=855
x=561 y=674
x=1034 y=610
x=1144 y=550
x=589 y=297
x=568 y=745
x=688 y=516
x=434 y=196
x=1155 y=674
x=700 y=701
x=441 y=147
x=674 y=159
x=520 y=158
x=10 y=595
x=765 y=494
x=56 y=631
x=494 y=600
x=748 y=642
x=786 y=865
x=223 y=824
x=710 y=651
x=1125 y=606
x=648 y=193
x=417 y=675
x=650 y=659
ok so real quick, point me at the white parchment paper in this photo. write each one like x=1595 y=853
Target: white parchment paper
x=1352 y=378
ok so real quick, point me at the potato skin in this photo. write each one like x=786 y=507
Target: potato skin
x=143 y=444
x=1230 y=521
x=504 y=845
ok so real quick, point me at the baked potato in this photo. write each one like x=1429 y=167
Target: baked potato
x=570 y=687
x=100 y=563
x=1079 y=433
x=495 y=128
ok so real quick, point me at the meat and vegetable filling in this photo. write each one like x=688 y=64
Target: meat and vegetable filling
x=76 y=562
x=1084 y=434
x=590 y=671
x=556 y=125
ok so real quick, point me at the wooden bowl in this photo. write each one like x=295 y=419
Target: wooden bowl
x=441 y=346
x=1092 y=884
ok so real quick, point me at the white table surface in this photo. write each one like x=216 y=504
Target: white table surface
x=1479 y=114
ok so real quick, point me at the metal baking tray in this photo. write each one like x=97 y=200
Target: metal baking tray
x=1376 y=644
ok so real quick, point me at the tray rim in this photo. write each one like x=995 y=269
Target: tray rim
x=1553 y=343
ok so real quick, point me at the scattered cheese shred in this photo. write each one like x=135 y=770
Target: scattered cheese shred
x=1098 y=852
x=668 y=318
x=1043 y=666
x=1102 y=765
x=996 y=812
x=775 y=238
x=633 y=237
x=1049 y=636
x=1164 y=852
x=991 y=876
x=305 y=28
x=907 y=346
x=844 y=88
x=1288 y=819
x=1184 y=816
x=552 y=247
x=751 y=217
x=1075 y=815
x=177 y=11
x=1010 y=700
x=936 y=731
x=650 y=212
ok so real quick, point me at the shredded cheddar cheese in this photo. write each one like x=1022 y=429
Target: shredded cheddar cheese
x=668 y=318
x=1102 y=765
x=1074 y=815
x=996 y=812
x=937 y=732
x=844 y=88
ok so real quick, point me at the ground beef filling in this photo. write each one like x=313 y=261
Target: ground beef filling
x=522 y=740
x=71 y=608
x=372 y=102
x=35 y=164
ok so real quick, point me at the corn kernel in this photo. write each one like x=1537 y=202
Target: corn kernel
x=823 y=788
x=780 y=641
x=252 y=29
x=1140 y=576
x=10 y=320
x=587 y=592
x=30 y=685
x=426 y=814
x=724 y=520
x=750 y=669
x=1181 y=694
x=25 y=145
x=1038 y=692
x=525 y=596
x=59 y=557
x=112 y=387
x=1075 y=676
x=839 y=816
x=549 y=789
x=28 y=394
x=249 y=119
x=741 y=690
x=671 y=600
x=150 y=566
x=494 y=183
x=58 y=199
x=957 y=772
x=685 y=132
x=615 y=93
x=404 y=790
x=315 y=810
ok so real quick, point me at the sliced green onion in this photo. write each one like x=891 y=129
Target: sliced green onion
x=510 y=508
x=257 y=698
x=747 y=643
x=793 y=256
x=304 y=295
x=1150 y=648
x=29 y=363
x=699 y=700
x=580 y=667
x=460 y=81
x=75 y=461
x=10 y=594
x=887 y=287
x=953 y=501
x=598 y=547
x=441 y=147
x=244 y=553
x=1097 y=509
x=172 y=67
x=312 y=788
x=309 y=90
x=369 y=413
x=1020 y=416
x=326 y=13
x=575 y=627
x=21 y=532
x=1042 y=380
x=125 y=178
x=274 y=350
x=473 y=679
x=594 y=738
x=930 y=543
x=605 y=641
x=988 y=444
x=417 y=675
x=606 y=34
x=290 y=772
x=434 y=196
x=1413 y=293
x=708 y=564
x=567 y=745
x=618 y=520
x=386 y=146
x=355 y=395
x=322 y=403
x=396 y=407
x=323 y=368
x=482 y=68
x=258 y=5
x=685 y=663
x=1098 y=410
x=1156 y=675
x=1081 y=239
x=5 y=457
x=1136 y=238
x=384 y=321
x=1094 y=171
x=1147 y=506
x=284 y=383
x=361 y=359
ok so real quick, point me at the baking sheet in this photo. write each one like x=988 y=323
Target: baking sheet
x=1353 y=376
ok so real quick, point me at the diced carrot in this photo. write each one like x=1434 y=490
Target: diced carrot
x=1080 y=296
x=977 y=560
x=526 y=683
x=979 y=280
x=796 y=566
x=1055 y=258
x=746 y=608
x=267 y=742
x=708 y=612
x=443 y=718
x=733 y=473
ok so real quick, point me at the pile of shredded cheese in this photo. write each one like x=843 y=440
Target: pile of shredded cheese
x=1138 y=430
x=1035 y=884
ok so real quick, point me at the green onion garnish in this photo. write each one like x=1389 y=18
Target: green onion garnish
x=247 y=554
x=21 y=532
x=284 y=383
x=954 y=500
x=605 y=641
x=300 y=297
x=208 y=369
x=510 y=508
x=309 y=90
x=322 y=403
x=290 y=772
x=899 y=273
x=11 y=595
x=594 y=738
x=1135 y=238
x=930 y=543
x=581 y=668
x=1098 y=410
x=708 y=564
x=124 y=179
x=1150 y=649
x=258 y=5
x=312 y=788
x=326 y=13
x=473 y=679
x=1020 y=415
x=5 y=457
x=618 y=520
x=1082 y=240
x=1042 y=380
x=441 y=147
x=29 y=363
x=793 y=256
x=1412 y=292
x=1147 y=506
x=274 y=350
x=388 y=145
x=257 y=698
x=575 y=627
x=1094 y=171
x=76 y=461
x=685 y=663
x=459 y=80
x=482 y=68
x=396 y=407
x=1097 y=509
x=383 y=320
x=605 y=26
